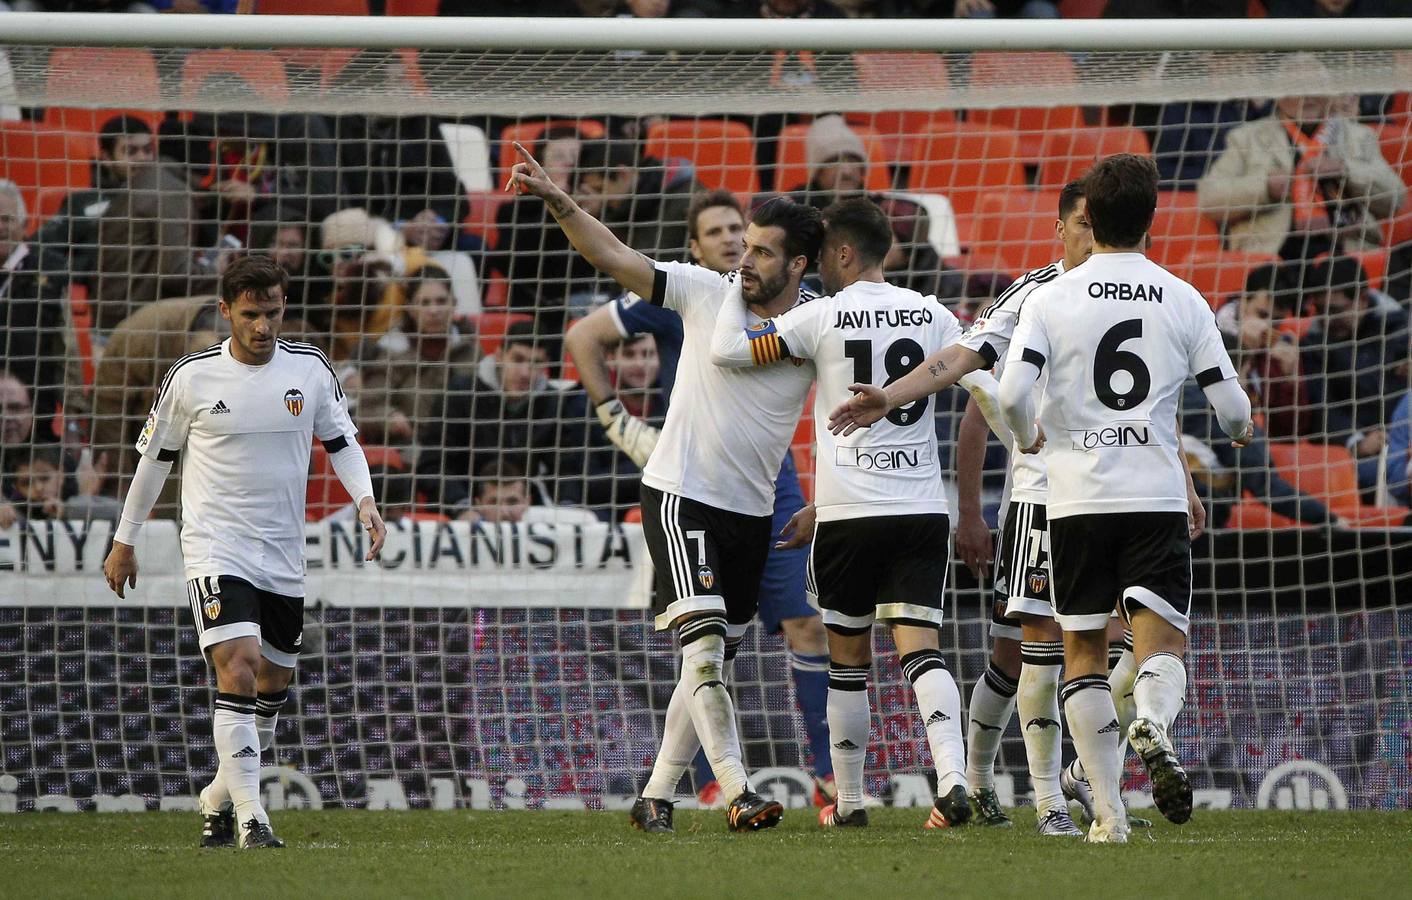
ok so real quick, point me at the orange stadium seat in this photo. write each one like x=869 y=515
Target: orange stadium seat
x=527 y=133
x=722 y=151
x=965 y=161
x=792 y=163
x=1179 y=229
x=491 y=328
x=1032 y=124
x=332 y=61
x=1374 y=264
x=312 y=7
x=1219 y=274
x=1329 y=474
x=897 y=129
x=1252 y=515
x=1017 y=226
x=412 y=8
x=263 y=71
x=121 y=76
x=1066 y=154
x=35 y=157
x=1001 y=69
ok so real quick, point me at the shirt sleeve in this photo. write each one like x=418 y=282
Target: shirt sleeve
x=332 y=423
x=795 y=333
x=991 y=334
x=164 y=433
x=1207 y=358
x=680 y=286
x=633 y=316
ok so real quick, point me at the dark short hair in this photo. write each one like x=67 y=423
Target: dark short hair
x=426 y=272
x=861 y=224
x=251 y=272
x=556 y=132
x=600 y=157
x=120 y=126
x=1069 y=197
x=802 y=224
x=498 y=470
x=1280 y=280
x=704 y=200
x=1339 y=273
x=1122 y=197
x=522 y=333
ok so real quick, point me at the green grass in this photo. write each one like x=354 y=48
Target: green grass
x=538 y=854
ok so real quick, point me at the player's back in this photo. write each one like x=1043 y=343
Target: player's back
x=875 y=332
x=1123 y=336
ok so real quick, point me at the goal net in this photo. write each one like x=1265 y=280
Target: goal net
x=501 y=653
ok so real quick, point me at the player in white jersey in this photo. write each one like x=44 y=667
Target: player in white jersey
x=881 y=544
x=709 y=483
x=242 y=416
x=1120 y=336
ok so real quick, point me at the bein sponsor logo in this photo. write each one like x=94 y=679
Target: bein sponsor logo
x=884 y=459
x=1117 y=435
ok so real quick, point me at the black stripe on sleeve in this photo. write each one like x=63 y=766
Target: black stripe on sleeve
x=1211 y=376
x=988 y=354
x=165 y=455
x=659 y=287
x=784 y=347
x=1034 y=358
x=335 y=445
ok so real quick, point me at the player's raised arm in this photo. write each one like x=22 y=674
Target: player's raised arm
x=588 y=342
x=590 y=237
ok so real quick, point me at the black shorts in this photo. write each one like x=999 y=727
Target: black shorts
x=226 y=607
x=891 y=568
x=1133 y=559
x=705 y=559
x=1022 y=576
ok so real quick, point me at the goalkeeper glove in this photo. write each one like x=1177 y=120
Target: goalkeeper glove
x=627 y=432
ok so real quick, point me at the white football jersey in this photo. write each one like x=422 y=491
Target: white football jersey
x=727 y=430
x=872 y=332
x=244 y=435
x=1119 y=336
x=990 y=337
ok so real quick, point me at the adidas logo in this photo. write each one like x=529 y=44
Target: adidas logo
x=248 y=752
x=1110 y=727
x=984 y=727
x=1142 y=675
x=1043 y=722
x=845 y=744
x=937 y=717
x=219 y=408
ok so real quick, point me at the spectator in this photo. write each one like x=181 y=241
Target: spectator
x=1399 y=452
x=69 y=240
x=636 y=370
x=838 y=162
x=1223 y=473
x=1353 y=363
x=504 y=494
x=509 y=409
x=285 y=237
x=1301 y=181
x=1267 y=356
x=360 y=299
x=392 y=487
x=145 y=244
x=31 y=312
x=403 y=388
x=42 y=484
x=644 y=201
x=428 y=235
x=533 y=255
x=16 y=413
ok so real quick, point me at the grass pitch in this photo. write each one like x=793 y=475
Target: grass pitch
x=343 y=853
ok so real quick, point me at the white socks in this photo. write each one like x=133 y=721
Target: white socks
x=238 y=749
x=1120 y=679
x=1093 y=723
x=849 y=720
x=679 y=745
x=1038 y=702
x=992 y=704
x=940 y=704
x=1160 y=689
x=267 y=707
x=712 y=712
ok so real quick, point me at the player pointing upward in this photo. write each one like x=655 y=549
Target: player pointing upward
x=1119 y=336
x=242 y=416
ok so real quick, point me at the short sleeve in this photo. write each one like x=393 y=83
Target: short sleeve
x=1030 y=342
x=164 y=433
x=635 y=316
x=332 y=424
x=680 y=286
x=990 y=335
x=802 y=328
x=1207 y=359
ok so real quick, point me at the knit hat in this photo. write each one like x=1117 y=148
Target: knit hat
x=829 y=138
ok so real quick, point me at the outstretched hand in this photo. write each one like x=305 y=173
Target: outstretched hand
x=866 y=406
x=372 y=523
x=529 y=177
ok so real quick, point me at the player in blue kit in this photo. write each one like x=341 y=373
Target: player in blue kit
x=716 y=227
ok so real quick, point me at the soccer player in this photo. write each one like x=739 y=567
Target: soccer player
x=880 y=550
x=1120 y=336
x=716 y=230
x=242 y=415
x=709 y=484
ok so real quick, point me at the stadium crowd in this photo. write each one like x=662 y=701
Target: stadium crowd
x=444 y=310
